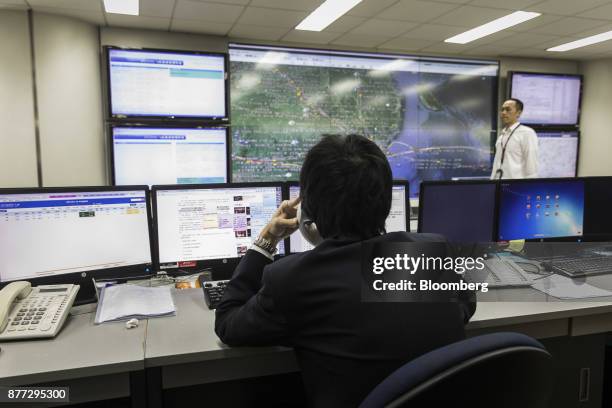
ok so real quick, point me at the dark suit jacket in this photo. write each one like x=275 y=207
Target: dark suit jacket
x=312 y=302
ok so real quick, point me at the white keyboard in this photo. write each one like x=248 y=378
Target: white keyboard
x=500 y=273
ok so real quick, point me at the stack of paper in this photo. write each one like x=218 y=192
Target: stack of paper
x=122 y=302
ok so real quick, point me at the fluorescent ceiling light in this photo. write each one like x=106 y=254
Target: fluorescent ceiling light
x=121 y=7
x=594 y=39
x=494 y=26
x=326 y=13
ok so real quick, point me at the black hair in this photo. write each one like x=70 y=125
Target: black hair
x=517 y=102
x=346 y=186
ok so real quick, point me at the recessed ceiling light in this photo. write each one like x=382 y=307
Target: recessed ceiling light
x=594 y=39
x=326 y=13
x=129 y=7
x=494 y=26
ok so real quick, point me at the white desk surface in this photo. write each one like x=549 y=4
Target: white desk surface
x=81 y=349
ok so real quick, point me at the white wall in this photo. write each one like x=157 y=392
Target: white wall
x=69 y=101
x=596 y=137
x=17 y=139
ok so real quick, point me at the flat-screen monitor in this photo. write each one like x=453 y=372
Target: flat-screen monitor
x=462 y=211
x=154 y=155
x=69 y=235
x=549 y=99
x=202 y=226
x=433 y=117
x=597 y=208
x=557 y=153
x=398 y=219
x=166 y=84
x=541 y=209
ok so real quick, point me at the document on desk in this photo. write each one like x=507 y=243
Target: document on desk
x=122 y=302
x=563 y=287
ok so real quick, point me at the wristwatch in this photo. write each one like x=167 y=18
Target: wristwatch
x=265 y=244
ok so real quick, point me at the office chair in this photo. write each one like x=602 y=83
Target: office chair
x=493 y=370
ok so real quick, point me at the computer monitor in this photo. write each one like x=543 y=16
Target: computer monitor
x=462 y=211
x=211 y=225
x=597 y=199
x=398 y=219
x=541 y=209
x=434 y=118
x=156 y=155
x=158 y=84
x=549 y=99
x=557 y=153
x=69 y=235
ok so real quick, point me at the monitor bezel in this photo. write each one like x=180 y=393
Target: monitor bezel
x=164 y=118
x=397 y=182
x=570 y=238
x=495 y=183
x=556 y=126
x=222 y=268
x=87 y=293
x=165 y=125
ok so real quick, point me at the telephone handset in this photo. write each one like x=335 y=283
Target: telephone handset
x=308 y=228
x=27 y=312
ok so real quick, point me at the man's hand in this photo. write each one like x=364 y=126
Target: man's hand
x=283 y=223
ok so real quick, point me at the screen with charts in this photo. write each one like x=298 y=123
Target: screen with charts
x=557 y=153
x=540 y=209
x=43 y=234
x=200 y=224
x=548 y=99
x=166 y=84
x=144 y=155
x=433 y=118
x=396 y=221
x=464 y=212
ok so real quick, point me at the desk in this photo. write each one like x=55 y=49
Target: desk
x=96 y=361
x=104 y=361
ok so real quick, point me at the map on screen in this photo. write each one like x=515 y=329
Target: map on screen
x=433 y=118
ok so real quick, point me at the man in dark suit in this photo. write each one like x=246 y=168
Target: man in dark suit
x=312 y=300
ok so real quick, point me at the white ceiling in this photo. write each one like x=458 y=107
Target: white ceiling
x=387 y=25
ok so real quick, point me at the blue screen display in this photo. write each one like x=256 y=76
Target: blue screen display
x=540 y=209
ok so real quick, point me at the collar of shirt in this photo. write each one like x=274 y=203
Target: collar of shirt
x=511 y=128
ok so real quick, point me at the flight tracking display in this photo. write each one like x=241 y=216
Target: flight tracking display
x=434 y=118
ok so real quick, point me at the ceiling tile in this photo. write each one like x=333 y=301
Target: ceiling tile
x=603 y=12
x=601 y=29
x=444 y=48
x=568 y=26
x=531 y=53
x=156 y=8
x=489 y=50
x=271 y=17
x=14 y=4
x=257 y=32
x=507 y=5
x=566 y=7
x=200 y=27
x=312 y=37
x=526 y=39
x=405 y=44
x=469 y=16
x=370 y=8
x=96 y=18
x=355 y=40
x=553 y=42
x=152 y=23
x=196 y=10
x=90 y=5
x=238 y=2
x=345 y=24
x=434 y=32
x=376 y=26
x=300 y=5
x=417 y=10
